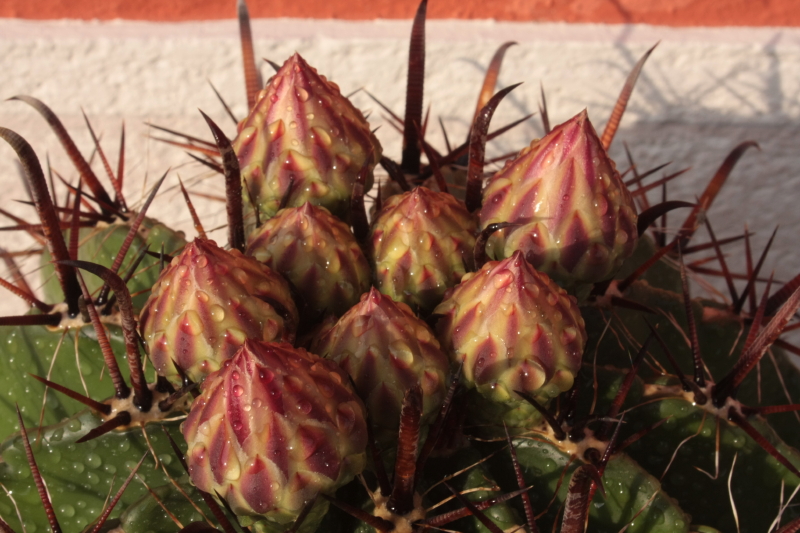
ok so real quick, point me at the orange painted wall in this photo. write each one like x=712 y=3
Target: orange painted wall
x=661 y=12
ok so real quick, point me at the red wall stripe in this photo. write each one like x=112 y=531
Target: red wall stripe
x=659 y=12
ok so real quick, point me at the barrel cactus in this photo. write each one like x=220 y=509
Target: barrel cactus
x=525 y=356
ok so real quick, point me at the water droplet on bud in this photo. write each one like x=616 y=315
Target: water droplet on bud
x=304 y=406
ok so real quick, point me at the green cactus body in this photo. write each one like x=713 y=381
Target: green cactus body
x=757 y=476
x=274 y=427
x=479 y=480
x=422 y=244
x=101 y=243
x=148 y=514
x=629 y=488
x=513 y=329
x=318 y=254
x=721 y=336
x=577 y=219
x=31 y=350
x=206 y=303
x=387 y=350
x=698 y=476
x=80 y=476
x=304 y=140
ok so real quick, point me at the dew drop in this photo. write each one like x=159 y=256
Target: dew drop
x=93 y=460
x=217 y=313
x=304 y=406
x=345 y=418
x=199 y=452
x=238 y=390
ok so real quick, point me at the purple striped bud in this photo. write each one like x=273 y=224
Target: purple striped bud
x=422 y=243
x=206 y=303
x=274 y=427
x=514 y=329
x=577 y=219
x=304 y=139
x=387 y=350
x=318 y=254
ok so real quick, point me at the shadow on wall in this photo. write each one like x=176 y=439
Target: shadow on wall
x=695 y=100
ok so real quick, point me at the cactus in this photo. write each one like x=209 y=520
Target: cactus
x=459 y=393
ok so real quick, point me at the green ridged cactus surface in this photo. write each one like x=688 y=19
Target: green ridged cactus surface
x=529 y=358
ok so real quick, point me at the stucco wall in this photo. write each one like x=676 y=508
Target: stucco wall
x=702 y=92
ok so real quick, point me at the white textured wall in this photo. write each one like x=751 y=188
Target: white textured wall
x=702 y=92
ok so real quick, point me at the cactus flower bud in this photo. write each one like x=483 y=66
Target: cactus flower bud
x=387 y=350
x=318 y=254
x=577 y=219
x=206 y=303
x=514 y=329
x=305 y=139
x=422 y=244
x=274 y=427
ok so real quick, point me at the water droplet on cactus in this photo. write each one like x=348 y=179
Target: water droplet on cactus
x=601 y=205
x=401 y=352
x=66 y=510
x=326 y=389
x=304 y=406
x=190 y=323
x=345 y=418
x=54 y=455
x=502 y=279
